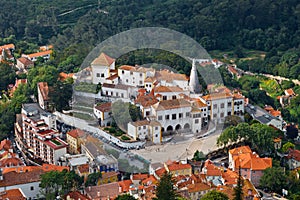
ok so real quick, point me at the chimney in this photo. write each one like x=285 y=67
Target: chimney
x=120 y=189
x=89 y=188
x=98 y=194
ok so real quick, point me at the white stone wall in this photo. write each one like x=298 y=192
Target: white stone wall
x=100 y=73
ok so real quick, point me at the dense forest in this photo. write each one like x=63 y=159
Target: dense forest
x=75 y=27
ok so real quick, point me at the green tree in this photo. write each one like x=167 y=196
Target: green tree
x=273 y=179
x=7 y=75
x=232 y=120
x=198 y=156
x=165 y=189
x=93 y=179
x=60 y=95
x=238 y=190
x=215 y=195
x=287 y=146
x=125 y=197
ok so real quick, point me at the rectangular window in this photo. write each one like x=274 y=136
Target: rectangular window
x=229 y=104
x=31 y=188
x=180 y=115
x=215 y=106
x=196 y=121
x=159 y=117
x=131 y=73
x=141 y=82
x=215 y=115
x=222 y=105
x=164 y=97
x=187 y=114
x=222 y=115
x=98 y=74
x=144 y=127
x=173 y=116
x=147 y=113
x=156 y=128
x=174 y=97
x=167 y=117
x=102 y=75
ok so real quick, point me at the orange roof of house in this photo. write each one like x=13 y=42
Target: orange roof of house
x=215 y=96
x=15 y=178
x=240 y=150
x=50 y=167
x=76 y=133
x=294 y=154
x=43 y=87
x=159 y=172
x=127 y=67
x=104 y=60
x=25 y=61
x=150 y=180
x=167 y=89
x=63 y=76
x=39 y=54
x=83 y=168
x=125 y=185
x=109 y=174
x=178 y=166
x=146 y=100
x=11 y=162
x=150 y=79
x=7 y=46
x=104 y=107
x=198 y=187
x=171 y=104
x=238 y=96
x=199 y=103
x=112 y=77
x=232 y=70
x=170 y=76
x=5 y=144
x=277 y=140
x=139 y=176
x=76 y=195
x=12 y=194
x=101 y=192
x=290 y=92
x=230 y=177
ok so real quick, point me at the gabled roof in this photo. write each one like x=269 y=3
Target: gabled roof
x=198 y=187
x=161 y=88
x=39 y=54
x=7 y=46
x=146 y=100
x=43 y=87
x=290 y=92
x=171 y=104
x=25 y=61
x=12 y=194
x=103 y=60
x=294 y=154
x=76 y=195
x=139 y=176
x=104 y=107
x=15 y=178
x=169 y=76
x=76 y=133
x=125 y=185
x=178 y=166
x=215 y=96
x=103 y=191
x=240 y=150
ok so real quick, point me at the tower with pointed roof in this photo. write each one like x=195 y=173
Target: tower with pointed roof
x=101 y=68
x=194 y=81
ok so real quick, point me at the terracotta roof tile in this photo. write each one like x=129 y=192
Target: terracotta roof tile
x=171 y=104
x=139 y=176
x=146 y=100
x=25 y=61
x=179 y=166
x=76 y=133
x=15 y=178
x=43 y=87
x=125 y=185
x=198 y=187
x=104 y=107
x=7 y=46
x=169 y=76
x=294 y=154
x=150 y=180
x=160 y=88
x=12 y=194
x=76 y=195
x=104 y=60
x=39 y=54
x=101 y=192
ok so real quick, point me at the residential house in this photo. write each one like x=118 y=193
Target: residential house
x=34 y=56
x=103 y=192
x=17 y=84
x=103 y=113
x=197 y=190
x=293 y=159
x=74 y=140
x=134 y=76
x=23 y=64
x=13 y=194
x=6 y=52
x=108 y=177
x=264 y=117
x=100 y=161
x=118 y=91
x=174 y=168
x=102 y=68
x=169 y=92
x=43 y=95
x=145 y=129
x=251 y=165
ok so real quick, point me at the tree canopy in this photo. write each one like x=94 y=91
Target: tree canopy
x=165 y=189
x=215 y=195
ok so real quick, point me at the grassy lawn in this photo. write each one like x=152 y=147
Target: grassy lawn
x=86 y=87
x=271 y=87
x=83 y=116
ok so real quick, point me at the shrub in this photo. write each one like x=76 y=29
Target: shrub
x=124 y=137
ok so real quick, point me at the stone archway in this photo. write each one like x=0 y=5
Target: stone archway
x=187 y=126
x=170 y=128
x=177 y=127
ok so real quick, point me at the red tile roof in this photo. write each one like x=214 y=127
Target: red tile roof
x=12 y=194
x=105 y=107
x=103 y=60
x=25 y=61
x=139 y=176
x=83 y=168
x=7 y=46
x=198 y=187
x=101 y=192
x=146 y=100
x=15 y=178
x=40 y=54
x=5 y=145
x=11 y=162
x=125 y=185
x=171 y=104
x=159 y=172
x=76 y=133
x=160 y=88
x=43 y=87
x=178 y=166
x=294 y=154
x=150 y=180
x=76 y=195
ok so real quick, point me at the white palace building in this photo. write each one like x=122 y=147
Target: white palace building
x=168 y=101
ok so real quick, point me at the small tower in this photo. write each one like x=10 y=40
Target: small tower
x=194 y=81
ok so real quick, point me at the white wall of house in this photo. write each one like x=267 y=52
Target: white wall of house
x=30 y=190
x=59 y=153
x=132 y=78
x=100 y=73
x=171 y=95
